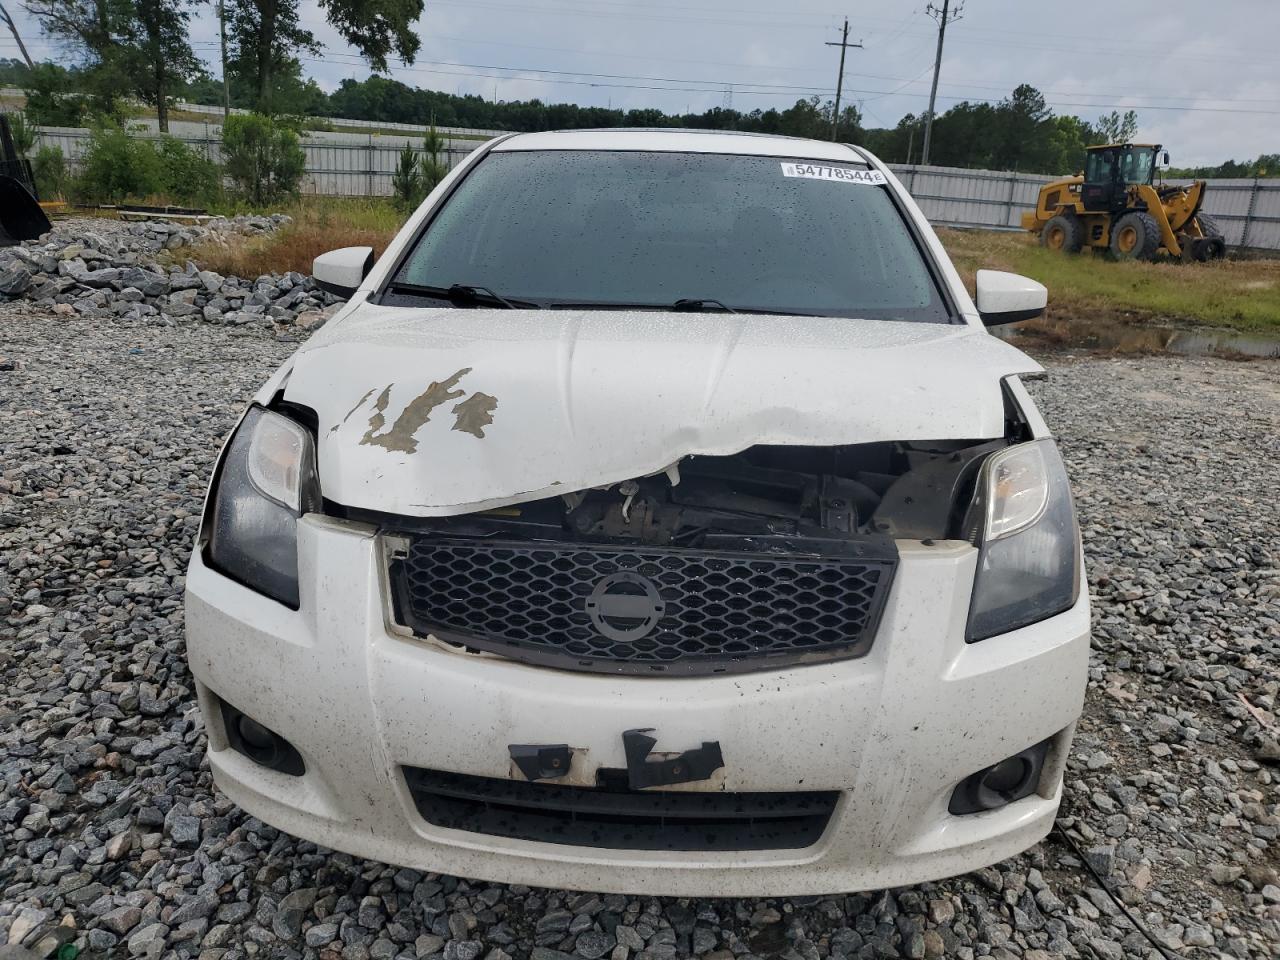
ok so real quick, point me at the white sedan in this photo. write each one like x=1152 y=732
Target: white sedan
x=658 y=516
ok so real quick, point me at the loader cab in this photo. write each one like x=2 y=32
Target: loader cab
x=1109 y=171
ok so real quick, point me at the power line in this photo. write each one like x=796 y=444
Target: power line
x=943 y=18
x=590 y=83
x=715 y=84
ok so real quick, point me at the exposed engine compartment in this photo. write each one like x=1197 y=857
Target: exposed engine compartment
x=899 y=490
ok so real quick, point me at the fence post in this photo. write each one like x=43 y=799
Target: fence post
x=1008 y=204
x=369 y=183
x=1248 y=216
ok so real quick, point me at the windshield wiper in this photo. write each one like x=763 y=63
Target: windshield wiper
x=680 y=306
x=685 y=305
x=464 y=293
x=470 y=293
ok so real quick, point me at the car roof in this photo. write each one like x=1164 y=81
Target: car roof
x=683 y=141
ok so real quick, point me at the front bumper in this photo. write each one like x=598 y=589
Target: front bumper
x=893 y=732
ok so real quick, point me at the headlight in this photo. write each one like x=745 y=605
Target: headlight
x=268 y=481
x=1025 y=526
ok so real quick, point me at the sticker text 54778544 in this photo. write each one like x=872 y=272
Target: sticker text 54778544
x=822 y=171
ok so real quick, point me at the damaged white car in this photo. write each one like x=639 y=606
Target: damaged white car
x=658 y=516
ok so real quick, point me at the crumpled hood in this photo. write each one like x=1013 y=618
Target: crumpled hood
x=439 y=412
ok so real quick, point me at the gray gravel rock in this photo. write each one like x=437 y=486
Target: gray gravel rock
x=108 y=812
x=15 y=279
x=131 y=274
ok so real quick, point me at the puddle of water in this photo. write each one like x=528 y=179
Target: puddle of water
x=1114 y=336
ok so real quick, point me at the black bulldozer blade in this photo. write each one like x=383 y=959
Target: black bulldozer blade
x=20 y=215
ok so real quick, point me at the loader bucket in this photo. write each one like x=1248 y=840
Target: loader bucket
x=20 y=215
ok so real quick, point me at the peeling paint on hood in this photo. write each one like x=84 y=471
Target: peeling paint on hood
x=440 y=412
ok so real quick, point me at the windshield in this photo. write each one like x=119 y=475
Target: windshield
x=1136 y=165
x=646 y=229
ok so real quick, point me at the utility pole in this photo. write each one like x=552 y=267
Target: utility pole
x=13 y=28
x=226 y=88
x=844 y=45
x=943 y=16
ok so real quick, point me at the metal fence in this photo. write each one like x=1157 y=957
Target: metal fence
x=356 y=164
x=1248 y=211
x=337 y=164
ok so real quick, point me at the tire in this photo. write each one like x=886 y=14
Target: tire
x=1208 y=226
x=1136 y=236
x=1062 y=233
x=1211 y=246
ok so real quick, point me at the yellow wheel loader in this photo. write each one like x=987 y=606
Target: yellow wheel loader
x=1115 y=205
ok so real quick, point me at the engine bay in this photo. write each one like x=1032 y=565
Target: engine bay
x=895 y=489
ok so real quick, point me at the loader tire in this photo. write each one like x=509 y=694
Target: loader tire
x=1215 y=250
x=1062 y=233
x=1208 y=226
x=1136 y=236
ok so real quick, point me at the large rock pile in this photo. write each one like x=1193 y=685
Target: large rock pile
x=105 y=269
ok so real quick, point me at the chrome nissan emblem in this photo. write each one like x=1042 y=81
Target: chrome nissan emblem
x=625 y=606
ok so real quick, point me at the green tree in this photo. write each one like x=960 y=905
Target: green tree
x=267 y=35
x=804 y=119
x=89 y=27
x=265 y=38
x=434 y=167
x=137 y=47
x=51 y=101
x=1022 y=130
x=262 y=156
x=1114 y=128
x=13 y=72
x=156 y=53
x=406 y=181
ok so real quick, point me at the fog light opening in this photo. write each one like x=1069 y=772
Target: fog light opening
x=260 y=744
x=1000 y=784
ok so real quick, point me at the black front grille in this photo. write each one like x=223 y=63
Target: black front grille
x=636 y=609
x=621 y=820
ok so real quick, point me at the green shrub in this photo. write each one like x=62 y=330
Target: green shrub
x=406 y=182
x=434 y=167
x=50 y=169
x=262 y=156
x=23 y=133
x=116 y=166
x=186 y=176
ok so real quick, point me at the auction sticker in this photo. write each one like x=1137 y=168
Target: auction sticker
x=820 y=171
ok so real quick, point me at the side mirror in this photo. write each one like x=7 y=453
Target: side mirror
x=1166 y=158
x=342 y=271
x=1008 y=298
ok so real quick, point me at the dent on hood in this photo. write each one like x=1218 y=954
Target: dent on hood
x=469 y=410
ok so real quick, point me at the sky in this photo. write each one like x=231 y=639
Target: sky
x=1204 y=79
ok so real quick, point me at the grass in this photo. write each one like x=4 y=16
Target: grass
x=319 y=224
x=1238 y=294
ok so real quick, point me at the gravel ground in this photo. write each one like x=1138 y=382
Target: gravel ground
x=109 y=820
